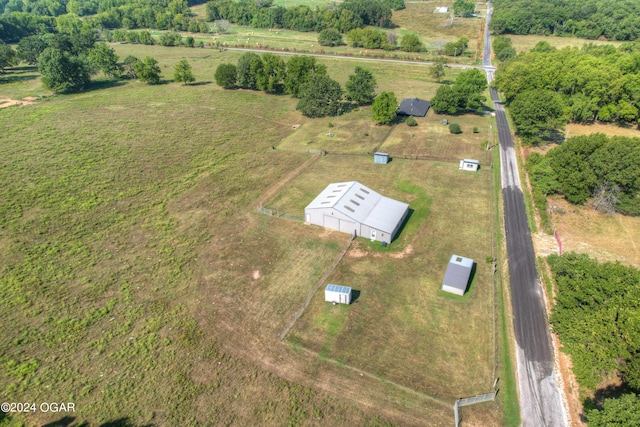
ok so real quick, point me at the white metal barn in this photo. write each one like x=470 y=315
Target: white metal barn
x=469 y=164
x=353 y=208
x=337 y=294
x=456 y=278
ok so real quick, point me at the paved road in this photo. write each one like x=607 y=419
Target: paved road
x=541 y=402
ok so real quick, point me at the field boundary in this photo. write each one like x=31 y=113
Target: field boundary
x=319 y=283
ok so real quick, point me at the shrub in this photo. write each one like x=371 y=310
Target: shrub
x=412 y=122
x=475 y=129
x=455 y=128
x=330 y=37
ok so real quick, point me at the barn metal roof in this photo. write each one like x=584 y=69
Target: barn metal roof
x=414 y=107
x=339 y=289
x=361 y=204
x=458 y=272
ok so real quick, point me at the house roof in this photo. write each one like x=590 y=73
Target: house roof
x=361 y=204
x=458 y=272
x=338 y=288
x=414 y=107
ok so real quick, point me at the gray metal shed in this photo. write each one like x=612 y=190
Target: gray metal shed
x=456 y=278
x=380 y=158
x=337 y=294
x=353 y=208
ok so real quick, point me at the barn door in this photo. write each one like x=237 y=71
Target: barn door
x=343 y=298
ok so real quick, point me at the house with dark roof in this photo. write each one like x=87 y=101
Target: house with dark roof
x=456 y=278
x=414 y=107
x=353 y=208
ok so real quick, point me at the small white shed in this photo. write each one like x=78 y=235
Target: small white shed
x=456 y=278
x=380 y=158
x=337 y=294
x=469 y=165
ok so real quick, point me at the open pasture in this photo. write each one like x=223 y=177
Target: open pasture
x=526 y=43
x=139 y=279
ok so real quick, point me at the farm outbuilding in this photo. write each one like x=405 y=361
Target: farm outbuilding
x=337 y=294
x=353 y=208
x=380 y=158
x=456 y=278
x=469 y=164
x=414 y=107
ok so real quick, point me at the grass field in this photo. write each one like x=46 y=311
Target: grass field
x=138 y=281
x=426 y=333
x=418 y=17
x=526 y=43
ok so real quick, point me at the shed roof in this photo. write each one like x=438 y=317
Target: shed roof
x=414 y=107
x=470 y=161
x=458 y=272
x=339 y=289
x=361 y=204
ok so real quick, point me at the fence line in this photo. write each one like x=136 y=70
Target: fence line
x=318 y=284
x=273 y=212
x=472 y=401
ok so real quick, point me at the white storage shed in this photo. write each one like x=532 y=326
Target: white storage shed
x=456 y=278
x=469 y=165
x=337 y=294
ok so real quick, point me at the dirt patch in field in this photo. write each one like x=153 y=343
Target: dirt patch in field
x=8 y=102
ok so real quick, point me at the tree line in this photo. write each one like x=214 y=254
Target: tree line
x=597 y=319
x=546 y=88
x=343 y=17
x=301 y=77
x=589 y=19
x=21 y=18
x=603 y=170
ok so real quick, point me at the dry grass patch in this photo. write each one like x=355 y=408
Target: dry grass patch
x=574 y=129
x=606 y=237
x=526 y=43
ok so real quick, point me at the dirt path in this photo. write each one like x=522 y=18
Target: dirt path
x=8 y=102
x=271 y=192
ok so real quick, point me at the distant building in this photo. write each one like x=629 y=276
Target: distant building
x=456 y=278
x=353 y=208
x=469 y=165
x=337 y=294
x=414 y=107
x=380 y=158
x=441 y=9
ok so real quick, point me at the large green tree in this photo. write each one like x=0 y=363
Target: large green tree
x=384 y=108
x=535 y=113
x=361 y=87
x=411 y=43
x=147 y=70
x=298 y=71
x=183 y=73
x=622 y=412
x=250 y=69
x=271 y=79
x=320 y=97
x=7 y=56
x=30 y=48
x=447 y=100
x=470 y=85
x=226 y=75
x=63 y=72
x=105 y=59
x=464 y=8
